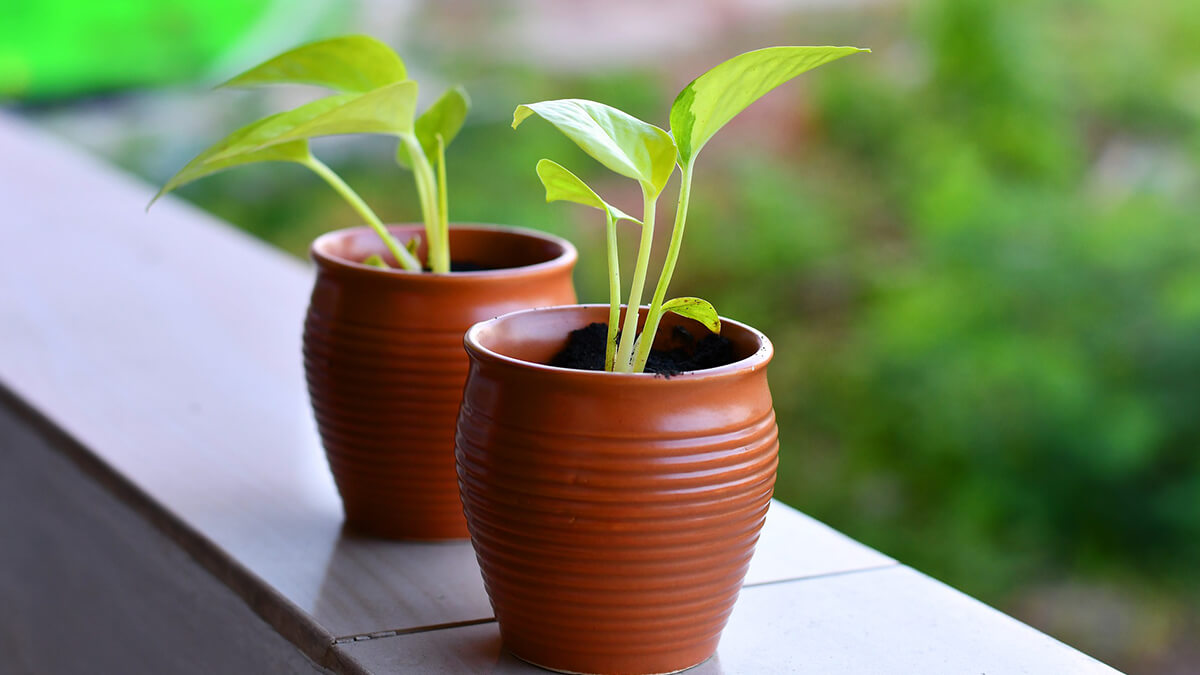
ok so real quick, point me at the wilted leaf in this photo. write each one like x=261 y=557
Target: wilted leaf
x=695 y=308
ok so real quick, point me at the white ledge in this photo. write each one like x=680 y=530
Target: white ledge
x=160 y=355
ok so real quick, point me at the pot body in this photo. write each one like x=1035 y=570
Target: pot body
x=613 y=515
x=385 y=365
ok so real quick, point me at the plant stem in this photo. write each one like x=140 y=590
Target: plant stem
x=623 y=362
x=406 y=260
x=614 y=291
x=438 y=258
x=443 y=208
x=654 y=315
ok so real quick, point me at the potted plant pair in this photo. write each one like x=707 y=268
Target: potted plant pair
x=615 y=477
x=383 y=334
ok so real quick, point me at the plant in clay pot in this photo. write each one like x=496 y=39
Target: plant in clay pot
x=382 y=337
x=614 y=511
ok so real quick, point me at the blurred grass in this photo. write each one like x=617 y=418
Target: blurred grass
x=978 y=253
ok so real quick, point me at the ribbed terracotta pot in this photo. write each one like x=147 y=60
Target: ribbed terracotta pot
x=613 y=515
x=385 y=365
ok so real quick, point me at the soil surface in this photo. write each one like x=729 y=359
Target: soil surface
x=585 y=351
x=466 y=266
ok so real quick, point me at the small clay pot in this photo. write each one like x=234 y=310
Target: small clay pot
x=613 y=515
x=385 y=365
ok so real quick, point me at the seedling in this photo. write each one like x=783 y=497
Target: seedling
x=374 y=96
x=649 y=155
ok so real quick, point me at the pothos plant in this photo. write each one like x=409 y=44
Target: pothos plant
x=373 y=95
x=649 y=155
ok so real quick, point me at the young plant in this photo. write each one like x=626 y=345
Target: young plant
x=373 y=96
x=649 y=155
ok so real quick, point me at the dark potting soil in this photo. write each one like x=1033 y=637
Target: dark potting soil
x=585 y=351
x=466 y=266
x=459 y=266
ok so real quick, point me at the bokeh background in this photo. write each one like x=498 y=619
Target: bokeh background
x=977 y=249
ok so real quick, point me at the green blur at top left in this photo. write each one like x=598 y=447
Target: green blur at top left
x=53 y=49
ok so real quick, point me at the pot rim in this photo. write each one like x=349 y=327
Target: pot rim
x=756 y=361
x=319 y=255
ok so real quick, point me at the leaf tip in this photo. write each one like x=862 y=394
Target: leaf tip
x=462 y=93
x=162 y=192
x=520 y=115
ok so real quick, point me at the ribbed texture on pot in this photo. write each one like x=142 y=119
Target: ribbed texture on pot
x=614 y=517
x=385 y=366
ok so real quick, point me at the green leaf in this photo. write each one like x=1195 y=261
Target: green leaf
x=412 y=244
x=387 y=110
x=717 y=96
x=695 y=308
x=444 y=117
x=354 y=63
x=204 y=164
x=562 y=185
x=375 y=260
x=619 y=141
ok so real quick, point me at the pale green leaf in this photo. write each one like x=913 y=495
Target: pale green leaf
x=387 y=110
x=562 y=185
x=717 y=96
x=411 y=245
x=619 y=141
x=444 y=117
x=204 y=164
x=376 y=260
x=695 y=308
x=353 y=63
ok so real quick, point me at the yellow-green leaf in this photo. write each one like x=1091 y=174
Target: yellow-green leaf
x=353 y=63
x=444 y=117
x=695 y=308
x=386 y=110
x=717 y=96
x=204 y=164
x=562 y=185
x=619 y=141
x=376 y=260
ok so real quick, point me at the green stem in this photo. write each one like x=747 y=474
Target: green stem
x=443 y=208
x=623 y=362
x=403 y=257
x=614 y=292
x=654 y=315
x=427 y=192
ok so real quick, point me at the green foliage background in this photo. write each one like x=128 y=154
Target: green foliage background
x=1021 y=374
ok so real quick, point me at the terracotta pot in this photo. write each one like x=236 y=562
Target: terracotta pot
x=385 y=365
x=613 y=515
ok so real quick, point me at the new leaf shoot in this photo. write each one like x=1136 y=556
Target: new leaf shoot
x=374 y=96
x=643 y=152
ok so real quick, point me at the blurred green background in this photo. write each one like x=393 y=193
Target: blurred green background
x=976 y=249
